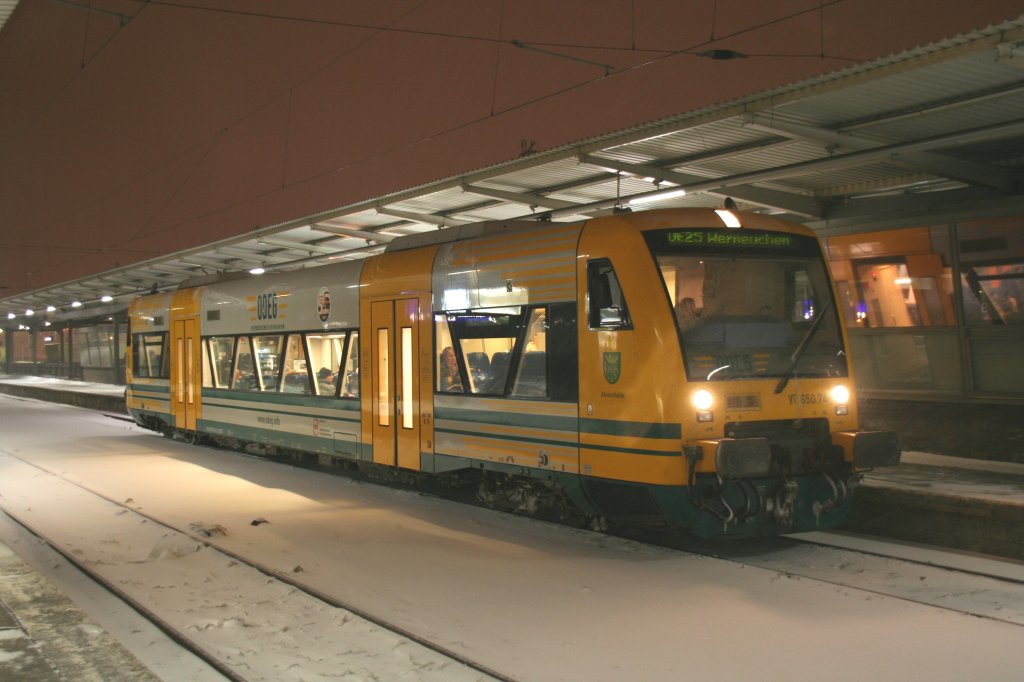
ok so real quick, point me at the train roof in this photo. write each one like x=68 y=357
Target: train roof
x=464 y=232
x=642 y=220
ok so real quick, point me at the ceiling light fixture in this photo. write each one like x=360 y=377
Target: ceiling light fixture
x=663 y=196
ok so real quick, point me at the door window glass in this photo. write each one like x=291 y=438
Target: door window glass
x=383 y=377
x=407 y=386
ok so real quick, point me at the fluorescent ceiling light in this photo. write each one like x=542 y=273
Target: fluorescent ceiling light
x=257 y=271
x=650 y=198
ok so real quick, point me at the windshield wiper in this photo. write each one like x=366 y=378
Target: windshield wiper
x=804 y=342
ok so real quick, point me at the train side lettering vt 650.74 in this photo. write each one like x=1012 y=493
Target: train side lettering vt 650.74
x=682 y=366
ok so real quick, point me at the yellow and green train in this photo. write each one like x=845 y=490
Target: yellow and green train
x=683 y=366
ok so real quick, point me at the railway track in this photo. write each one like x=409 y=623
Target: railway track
x=203 y=536
x=857 y=566
x=930 y=576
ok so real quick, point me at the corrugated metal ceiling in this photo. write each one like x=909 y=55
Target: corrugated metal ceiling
x=944 y=119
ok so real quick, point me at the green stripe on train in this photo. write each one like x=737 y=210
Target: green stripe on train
x=351 y=416
x=506 y=418
x=349 y=404
x=287 y=439
x=603 y=427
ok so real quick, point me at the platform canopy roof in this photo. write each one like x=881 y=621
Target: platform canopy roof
x=931 y=131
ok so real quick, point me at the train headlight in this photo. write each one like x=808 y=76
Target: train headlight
x=841 y=397
x=703 y=400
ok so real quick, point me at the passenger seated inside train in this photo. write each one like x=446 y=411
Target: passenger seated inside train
x=448 y=379
x=326 y=381
x=296 y=382
x=245 y=374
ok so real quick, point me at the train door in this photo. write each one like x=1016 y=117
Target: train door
x=185 y=373
x=395 y=381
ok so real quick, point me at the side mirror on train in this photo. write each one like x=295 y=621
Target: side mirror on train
x=610 y=317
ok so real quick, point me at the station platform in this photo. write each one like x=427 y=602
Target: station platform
x=45 y=637
x=962 y=503
x=954 y=502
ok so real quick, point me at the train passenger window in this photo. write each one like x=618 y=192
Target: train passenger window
x=222 y=352
x=532 y=375
x=268 y=356
x=295 y=377
x=606 y=304
x=149 y=353
x=245 y=370
x=562 y=353
x=481 y=343
x=326 y=352
x=350 y=377
x=449 y=378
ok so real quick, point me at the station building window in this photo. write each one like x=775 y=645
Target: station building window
x=895 y=290
x=991 y=256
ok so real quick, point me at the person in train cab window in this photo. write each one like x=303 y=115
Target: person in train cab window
x=686 y=313
x=450 y=381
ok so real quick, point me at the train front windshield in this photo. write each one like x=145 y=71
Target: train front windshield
x=750 y=304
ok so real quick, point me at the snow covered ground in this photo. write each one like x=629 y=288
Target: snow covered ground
x=529 y=599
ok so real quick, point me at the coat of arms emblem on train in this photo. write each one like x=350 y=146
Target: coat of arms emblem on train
x=612 y=366
x=323 y=304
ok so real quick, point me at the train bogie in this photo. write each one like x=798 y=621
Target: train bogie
x=657 y=365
